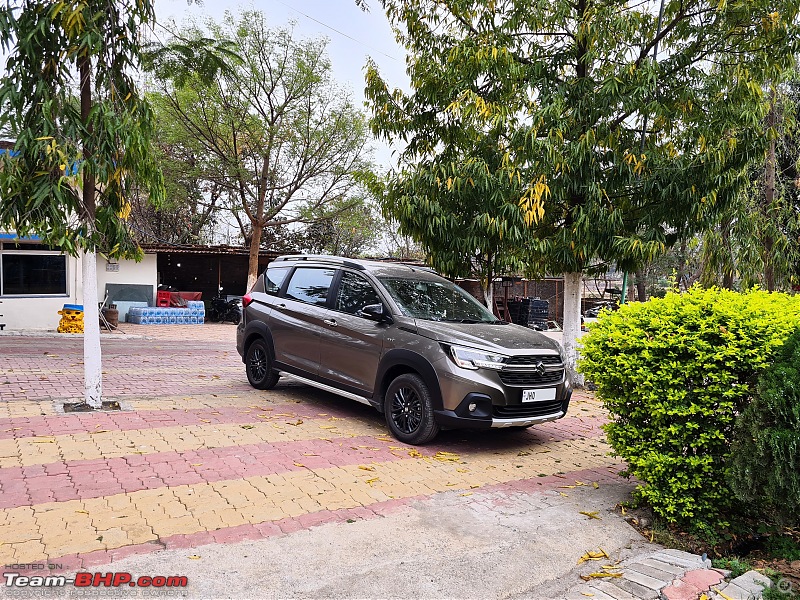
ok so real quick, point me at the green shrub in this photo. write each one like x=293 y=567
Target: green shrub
x=673 y=373
x=765 y=462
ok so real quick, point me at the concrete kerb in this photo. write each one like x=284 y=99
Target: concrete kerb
x=668 y=575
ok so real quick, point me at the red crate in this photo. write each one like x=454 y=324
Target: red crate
x=162 y=298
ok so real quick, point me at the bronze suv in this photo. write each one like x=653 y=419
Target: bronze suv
x=402 y=339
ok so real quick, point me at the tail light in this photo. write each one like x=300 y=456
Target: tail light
x=246 y=300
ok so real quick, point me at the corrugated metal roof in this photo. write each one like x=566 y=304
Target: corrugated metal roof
x=215 y=250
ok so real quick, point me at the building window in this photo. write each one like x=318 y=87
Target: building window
x=29 y=269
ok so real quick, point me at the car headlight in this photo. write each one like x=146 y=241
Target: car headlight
x=467 y=358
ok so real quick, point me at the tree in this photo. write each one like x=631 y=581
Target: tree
x=188 y=215
x=343 y=227
x=468 y=226
x=617 y=154
x=279 y=132
x=757 y=239
x=76 y=159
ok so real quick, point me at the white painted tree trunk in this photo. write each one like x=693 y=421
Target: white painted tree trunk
x=92 y=365
x=572 y=323
x=488 y=296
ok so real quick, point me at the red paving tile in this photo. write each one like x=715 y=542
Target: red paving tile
x=34 y=370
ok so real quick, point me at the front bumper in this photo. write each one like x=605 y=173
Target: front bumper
x=495 y=404
x=485 y=416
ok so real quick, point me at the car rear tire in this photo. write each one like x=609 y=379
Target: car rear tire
x=409 y=410
x=258 y=365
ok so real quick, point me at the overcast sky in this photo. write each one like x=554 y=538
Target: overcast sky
x=354 y=36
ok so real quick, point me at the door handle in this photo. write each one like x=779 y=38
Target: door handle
x=281 y=306
x=331 y=322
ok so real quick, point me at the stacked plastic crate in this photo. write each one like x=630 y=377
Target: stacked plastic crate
x=529 y=311
x=193 y=314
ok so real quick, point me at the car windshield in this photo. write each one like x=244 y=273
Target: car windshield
x=436 y=301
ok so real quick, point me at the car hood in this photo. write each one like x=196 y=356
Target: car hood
x=497 y=338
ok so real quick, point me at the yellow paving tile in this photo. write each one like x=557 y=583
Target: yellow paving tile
x=87 y=446
x=123 y=519
x=27 y=552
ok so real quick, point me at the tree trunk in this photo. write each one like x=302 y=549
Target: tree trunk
x=641 y=286
x=255 y=245
x=488 y=296
x=769 y=199
x=572 y=324
x=92 y=357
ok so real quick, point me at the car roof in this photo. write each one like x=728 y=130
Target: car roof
x=375 y=267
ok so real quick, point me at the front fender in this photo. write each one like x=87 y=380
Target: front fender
x=397 y=361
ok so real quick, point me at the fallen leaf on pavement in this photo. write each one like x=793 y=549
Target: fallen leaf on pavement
x=194 y=556
x=591 y=515
x=595 y=485
x=366 y=468
x=373 y=480
x=414 y=454
x=591 y=576
x=593 y=555
x=446 y=456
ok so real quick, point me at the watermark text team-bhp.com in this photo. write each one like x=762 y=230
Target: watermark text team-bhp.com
x=38 y=575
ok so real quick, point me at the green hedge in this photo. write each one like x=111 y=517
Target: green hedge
x=766 y=450
x=673 y=373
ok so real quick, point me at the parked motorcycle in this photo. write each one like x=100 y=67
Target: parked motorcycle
x=221 y=309
x=594 y=312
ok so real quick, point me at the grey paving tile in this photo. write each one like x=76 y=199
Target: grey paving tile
x=663 y=576
x=610 y=589
x=734 y=592
x=753 y=582
x=663 y=566
x=638 y=591
x=693 y=563
x=645 y=580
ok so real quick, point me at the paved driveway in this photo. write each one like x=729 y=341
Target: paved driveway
x=304 y=477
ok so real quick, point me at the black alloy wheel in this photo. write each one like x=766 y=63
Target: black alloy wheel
x=258 y=365
x=409 y=411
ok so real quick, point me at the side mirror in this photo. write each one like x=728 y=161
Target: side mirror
x=376 y=312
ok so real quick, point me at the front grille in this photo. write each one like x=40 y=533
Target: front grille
x=536 y=378
x=533 y=409
x=518 y=375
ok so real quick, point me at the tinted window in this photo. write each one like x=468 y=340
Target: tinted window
x=273 y=278
x=355 y=293
x=32 y=274
x=310 y=285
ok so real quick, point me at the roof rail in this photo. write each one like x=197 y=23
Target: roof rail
x=324 y=258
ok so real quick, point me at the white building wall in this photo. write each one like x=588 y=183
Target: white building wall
x=32 y=312
x=129 y=272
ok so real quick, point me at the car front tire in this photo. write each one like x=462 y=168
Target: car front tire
x=409 y=410
x=258 y=365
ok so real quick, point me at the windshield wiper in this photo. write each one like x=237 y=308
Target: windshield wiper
x=468 y=321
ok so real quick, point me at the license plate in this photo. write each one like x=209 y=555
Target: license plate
x=538 y=395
